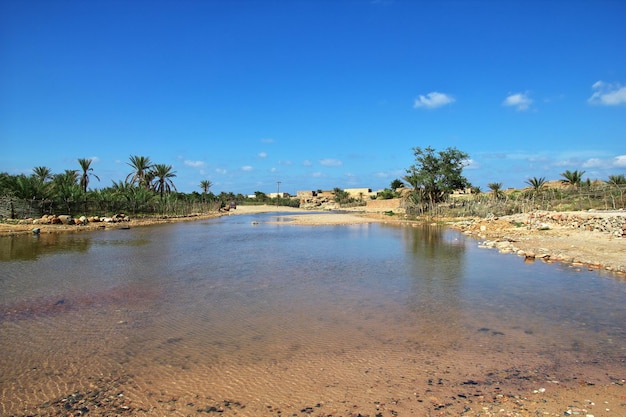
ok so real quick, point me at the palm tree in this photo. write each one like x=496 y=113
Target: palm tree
x=42 y=173
x=141 y=166
x=162 y=175
x=536 y=183
x=85 y=165
x=205 y=185
x=572 y=177
x=496 y=188
x=617 y=179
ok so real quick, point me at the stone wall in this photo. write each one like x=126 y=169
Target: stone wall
x=606 y=222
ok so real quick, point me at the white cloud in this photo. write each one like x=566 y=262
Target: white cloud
x=316 y=174
x=262 y=154
x=307 y=163
x=607 y=94
x=593 y=163
x=619 y=161
x=329 y=162
x=433 y=100
x=267 y=140
x=247 y=168
x=273 y=169
x=520 y=101
x=220 y=170
x=194 y=164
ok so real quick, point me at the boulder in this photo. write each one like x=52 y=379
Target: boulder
x=66 y=219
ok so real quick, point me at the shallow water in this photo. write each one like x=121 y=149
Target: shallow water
x=273 y=319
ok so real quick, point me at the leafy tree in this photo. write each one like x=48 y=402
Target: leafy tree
x=260 y=196
x=395 y=184
x=162 y=182
x=141 y=167
x=435 y=175
x=572 y=177
x=85 y=165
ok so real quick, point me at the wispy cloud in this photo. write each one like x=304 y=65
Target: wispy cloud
x=521 y=101
x=329 y=162
x=247 y=168
x=262 y=155
x=267 y=140
x=433 y=100
x=593 y=163
x=220 y=171
x=619 y=161
x=307 y=163
x=607 y=94
x=194 y=164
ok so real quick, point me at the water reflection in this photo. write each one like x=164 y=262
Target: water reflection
x=31 y=247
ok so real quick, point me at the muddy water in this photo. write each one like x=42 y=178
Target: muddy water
x=234 y=318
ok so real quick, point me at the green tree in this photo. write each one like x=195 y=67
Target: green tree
x=205 y=186
x=574 y=178
x=260 y=196
x=162 y=182
x=141 y=167
x=66 y=188
x=341 y=196
x=435 y=175
x=44 y=174
x=536 y=183
x=85 y=166
x=395 y=184
x=496 y=189
x=617 y=179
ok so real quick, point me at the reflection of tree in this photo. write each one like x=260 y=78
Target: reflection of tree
x=436 y=262
x=29 y=248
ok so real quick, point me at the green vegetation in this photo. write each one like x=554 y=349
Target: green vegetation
x=434 y=176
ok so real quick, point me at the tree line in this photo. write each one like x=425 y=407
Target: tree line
x=148 y=189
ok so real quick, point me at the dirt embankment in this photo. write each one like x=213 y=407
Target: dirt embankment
x=579 y=242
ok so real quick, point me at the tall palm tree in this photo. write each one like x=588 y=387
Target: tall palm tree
x=141 y=166
x=163 y=175
x=572 y=177
x=205 y=185
x=42 y=173
x=536 y=183
x=85 y=165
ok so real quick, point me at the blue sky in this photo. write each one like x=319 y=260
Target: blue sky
x=314 y=94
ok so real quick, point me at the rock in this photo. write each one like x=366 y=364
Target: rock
x=36 y=231
x=66 y=219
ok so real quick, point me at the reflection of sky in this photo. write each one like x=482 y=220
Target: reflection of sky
x=230 y=265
